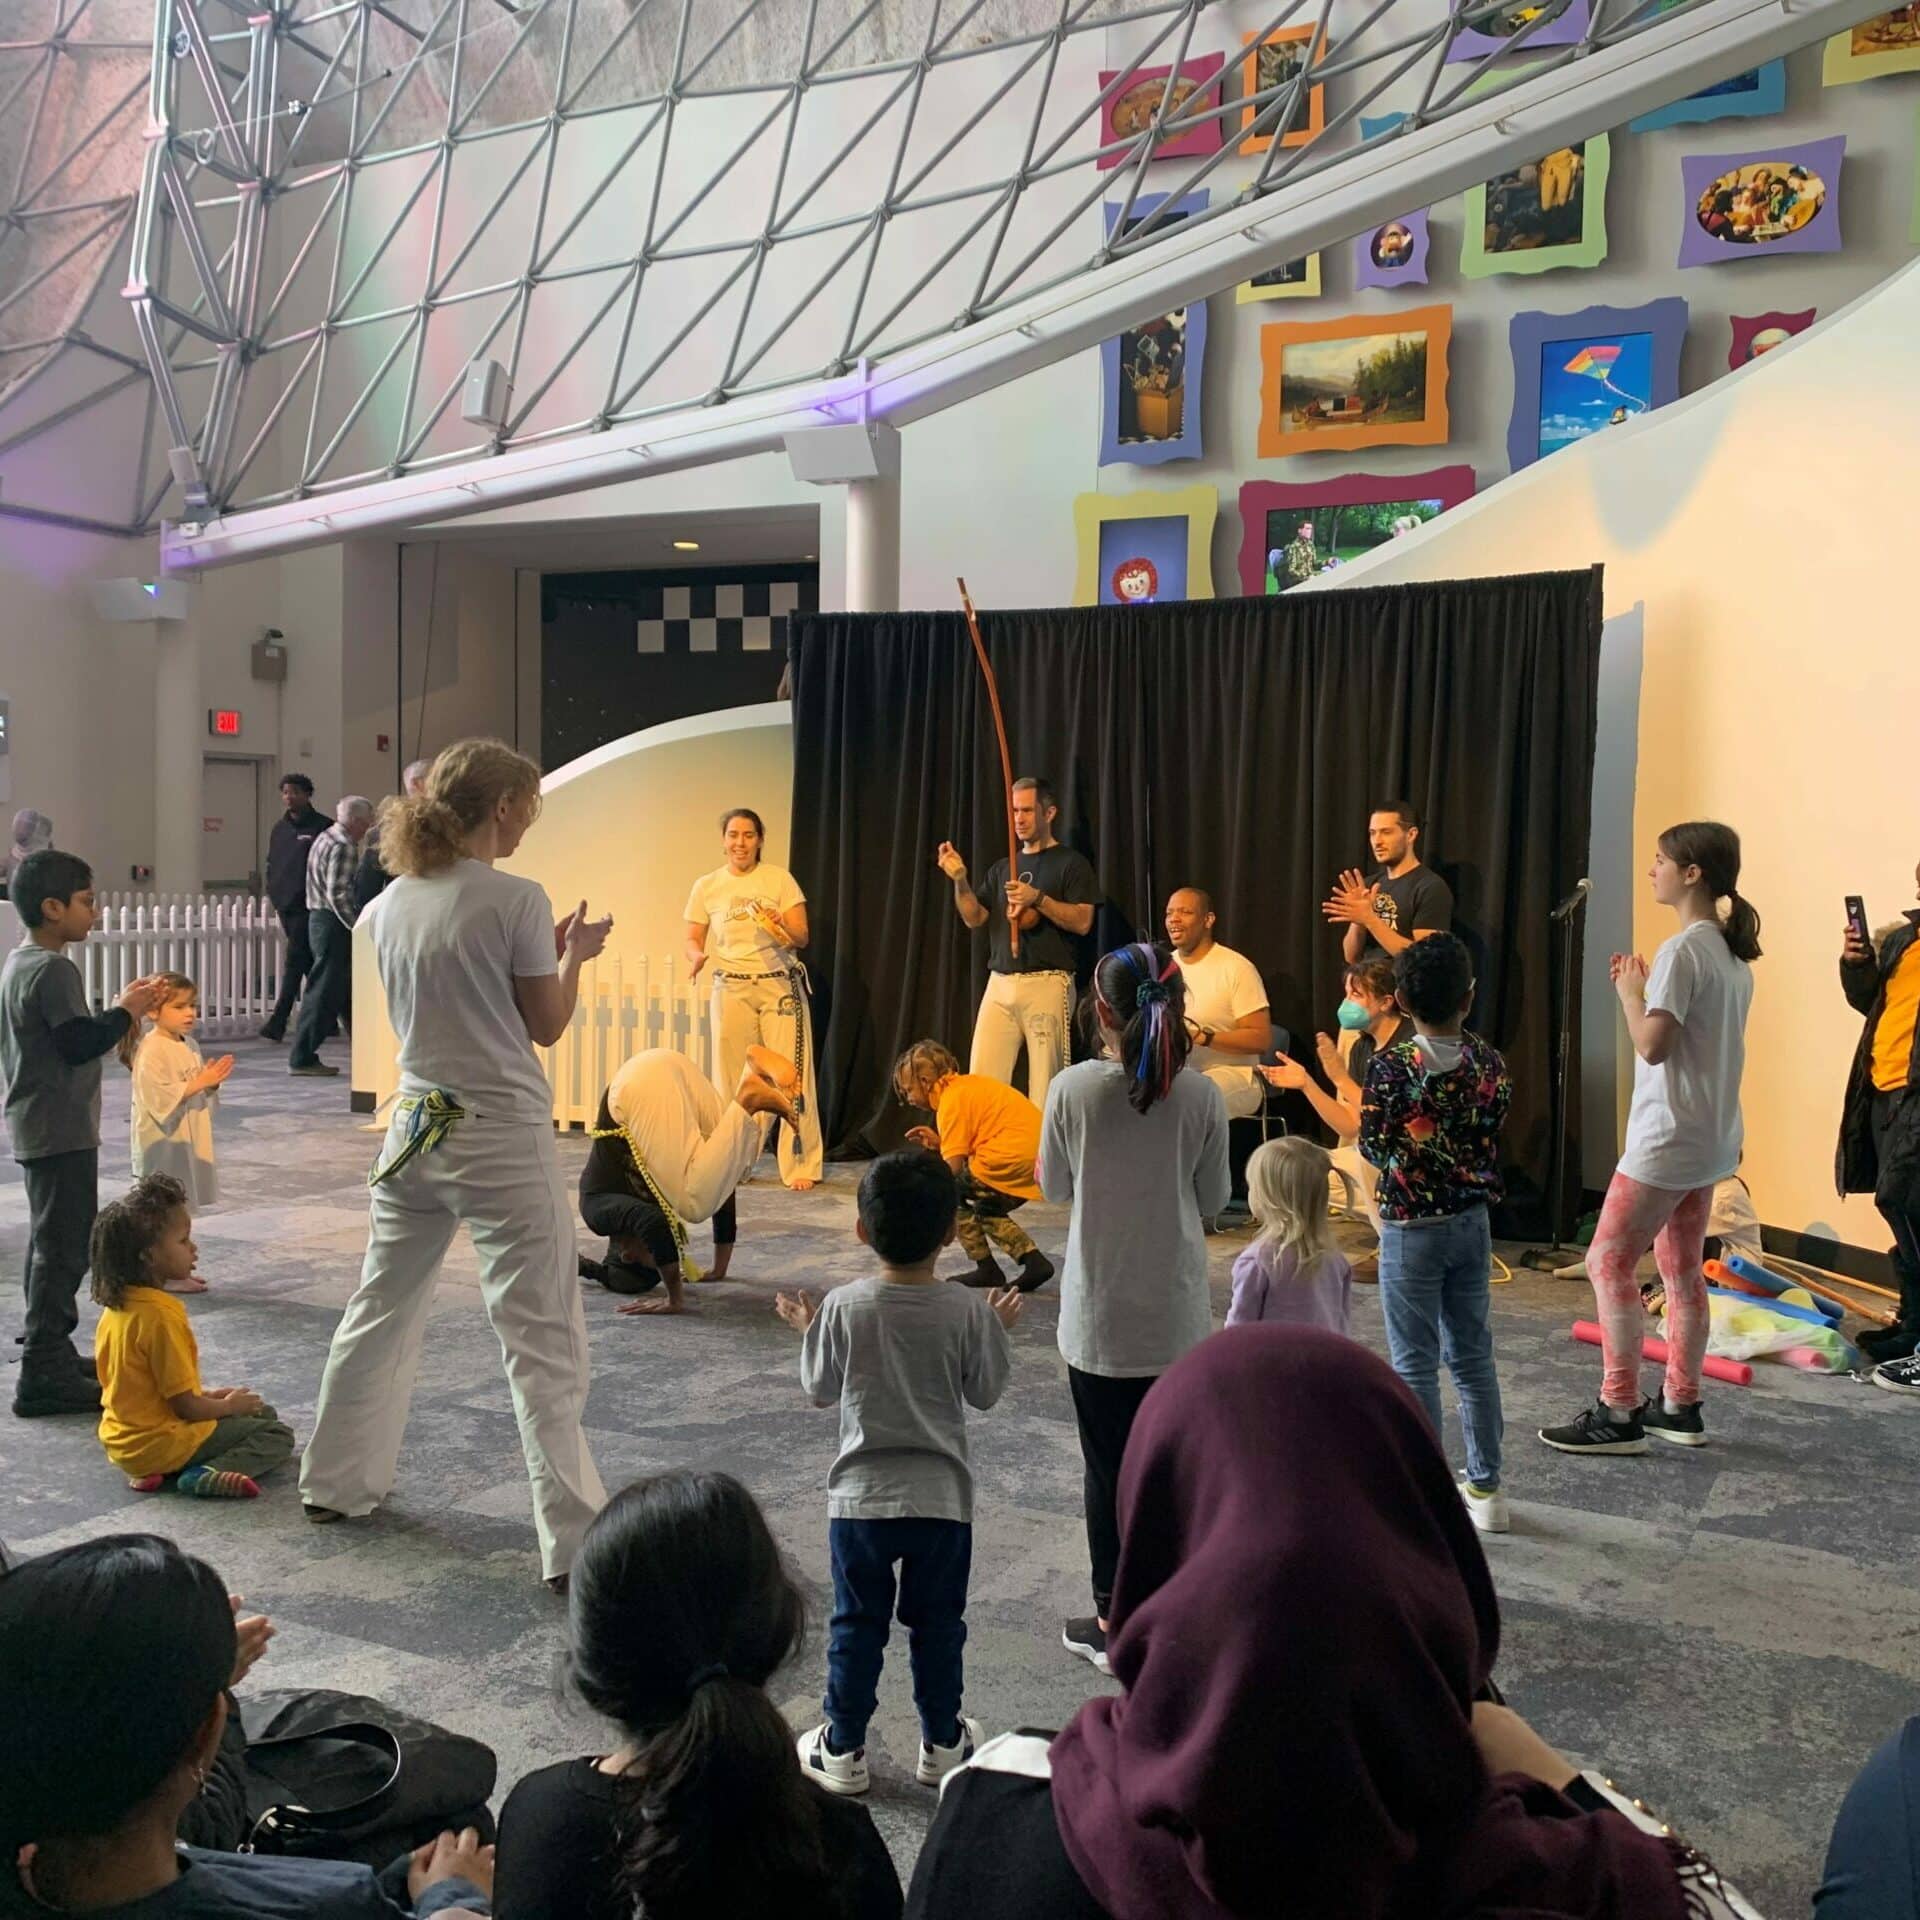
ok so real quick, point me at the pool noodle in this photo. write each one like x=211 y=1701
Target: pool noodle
x=1785 y=1307
x=1738 y=1275
x=1735 y=1373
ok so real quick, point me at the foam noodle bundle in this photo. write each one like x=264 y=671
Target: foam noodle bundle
x=1736 y=1373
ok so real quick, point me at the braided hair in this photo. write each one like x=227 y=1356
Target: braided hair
x=924 y=1060
x=1140 y=993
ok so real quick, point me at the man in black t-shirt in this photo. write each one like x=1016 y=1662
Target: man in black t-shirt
x=1401 y=901
x=1029 y=997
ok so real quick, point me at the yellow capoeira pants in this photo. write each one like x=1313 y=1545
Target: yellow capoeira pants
x=770 y=1010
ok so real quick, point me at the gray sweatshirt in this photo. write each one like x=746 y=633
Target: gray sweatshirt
x=1133 y=1289
x=901 y=1360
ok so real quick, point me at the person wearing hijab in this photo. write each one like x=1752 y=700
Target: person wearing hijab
x=1305 y=1634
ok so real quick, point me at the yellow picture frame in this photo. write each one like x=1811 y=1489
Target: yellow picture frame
x=1308 y=289
x=1199 y=505
x=1851 y=56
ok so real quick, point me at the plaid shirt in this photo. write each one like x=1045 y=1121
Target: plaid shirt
x=331 y=861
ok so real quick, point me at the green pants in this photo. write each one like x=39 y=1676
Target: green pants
x=249 y=1443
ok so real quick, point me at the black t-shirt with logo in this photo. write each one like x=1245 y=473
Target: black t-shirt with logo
x=1059 y=873
x=1419 y=901
x=1366 y=1047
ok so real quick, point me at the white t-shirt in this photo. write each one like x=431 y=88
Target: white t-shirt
x=1684 y=1129
x=725 y=901
x=1223 y=987
x=449 y=948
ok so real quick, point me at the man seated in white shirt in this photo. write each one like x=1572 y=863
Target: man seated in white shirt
x=1226 y=1003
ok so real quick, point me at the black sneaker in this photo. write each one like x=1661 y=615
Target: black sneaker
x=316 y=1070
x=1897 y=1376
x=41 y=1395
x=1889 y=1343
x=1685 y=1428
x=1598 y=1429
x=985 y=1273
x=1035 y=1271
x=1085 y=1638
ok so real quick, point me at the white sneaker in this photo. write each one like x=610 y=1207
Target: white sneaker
x=837 y=1772
x=937 y=1762
x=1488 y=1511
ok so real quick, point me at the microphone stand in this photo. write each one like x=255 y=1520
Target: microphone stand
x=1550 y=1258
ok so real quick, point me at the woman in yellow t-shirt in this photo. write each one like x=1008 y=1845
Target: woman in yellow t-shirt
x=989 y=1134
x=156 y=1421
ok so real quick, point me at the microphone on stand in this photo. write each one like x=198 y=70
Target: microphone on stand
x=1571 y=904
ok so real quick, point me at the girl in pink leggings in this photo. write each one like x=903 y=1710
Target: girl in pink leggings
x=1687 y=1017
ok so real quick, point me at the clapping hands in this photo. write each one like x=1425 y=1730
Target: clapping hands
x=1351 y=903
x=798 y=1310
x=212 y=1075
x=579 y=936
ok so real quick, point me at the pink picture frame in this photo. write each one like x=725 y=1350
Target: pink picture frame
x=1130 y=108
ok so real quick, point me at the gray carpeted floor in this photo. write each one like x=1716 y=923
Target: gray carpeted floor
x=1727 y=1632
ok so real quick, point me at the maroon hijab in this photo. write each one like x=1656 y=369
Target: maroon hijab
x=1302 y=1618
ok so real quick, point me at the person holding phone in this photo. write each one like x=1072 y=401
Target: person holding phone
x=1880 y=1124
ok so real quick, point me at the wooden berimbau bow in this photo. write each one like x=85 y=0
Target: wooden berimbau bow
x=1006 y=756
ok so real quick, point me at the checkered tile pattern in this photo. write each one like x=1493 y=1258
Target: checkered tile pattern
x=748 y=616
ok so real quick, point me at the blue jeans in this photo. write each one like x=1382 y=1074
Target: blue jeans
x=1434 y=1284
x=934 y=1557
x=1870 y=1860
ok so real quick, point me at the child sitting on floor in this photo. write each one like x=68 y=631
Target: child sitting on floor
x=155 y=1419
x=989 y=1134
x=1293 y=1271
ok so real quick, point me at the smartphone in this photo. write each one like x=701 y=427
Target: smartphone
x=1857 y=920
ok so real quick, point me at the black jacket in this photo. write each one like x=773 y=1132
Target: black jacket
x=1857 y=1167
x=287 y=848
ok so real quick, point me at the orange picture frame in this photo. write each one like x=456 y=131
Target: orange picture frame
x=1250 y=85
x=1339 y=400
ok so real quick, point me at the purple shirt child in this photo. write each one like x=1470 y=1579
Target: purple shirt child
x=1270 y=1284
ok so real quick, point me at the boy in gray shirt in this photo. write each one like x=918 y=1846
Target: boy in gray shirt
x=51 y=1044
x=900 y=1354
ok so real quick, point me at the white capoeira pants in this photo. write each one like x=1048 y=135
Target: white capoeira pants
x=502 y=1178
x=770 y=1010
x=1240 y=1088
x=1030 y=1010
x=697 y=1145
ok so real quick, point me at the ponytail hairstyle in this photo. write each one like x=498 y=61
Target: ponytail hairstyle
x=1140 y=993
x=1715 y=850
x=925 y=1060
x=129 y=1042
x=124 y=1232
x=113 y=1654
x=424 y=833
x=681 y=1611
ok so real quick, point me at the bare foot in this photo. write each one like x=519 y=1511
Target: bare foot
x=758 y=1094
x=191 y=1284
x=775 y=1067
x=801 y=1185
x=657 y=1303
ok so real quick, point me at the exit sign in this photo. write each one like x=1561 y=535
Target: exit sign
x=224 y=721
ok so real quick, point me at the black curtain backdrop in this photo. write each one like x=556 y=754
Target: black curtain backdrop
x=1235 y=745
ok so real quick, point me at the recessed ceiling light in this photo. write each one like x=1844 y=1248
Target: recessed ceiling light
x=686 y=546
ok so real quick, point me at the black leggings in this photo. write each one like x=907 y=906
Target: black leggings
x=623 y=1216
x=1904 y=1221
x=1104 y=1410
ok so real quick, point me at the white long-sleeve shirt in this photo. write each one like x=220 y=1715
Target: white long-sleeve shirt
x=173 y=1128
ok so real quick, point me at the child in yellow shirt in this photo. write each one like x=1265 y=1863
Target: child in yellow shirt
x=156 y=1421
x=989 y=1134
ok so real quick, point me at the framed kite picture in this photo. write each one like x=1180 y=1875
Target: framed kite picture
x=1367 y=380
x=1290 y=532
x=1393 y=254
x=1544 y=213
x=1887 y=43
x=1137 y=99
x=1278 y=61
x=1577 y=374
x=1749 y=206
x=1142 y=549
x=1757 y=333
x=1150 y=375
x=1290 y=280
x=1520 y=25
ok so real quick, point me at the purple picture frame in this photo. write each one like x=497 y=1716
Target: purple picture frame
x=1186 y=444
x=1701 y=173
x=1528 y=333
x=1258 y=498
x=1411 y=272
x=1567 y=30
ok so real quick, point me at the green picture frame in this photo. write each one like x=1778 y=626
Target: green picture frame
x=1478 y=261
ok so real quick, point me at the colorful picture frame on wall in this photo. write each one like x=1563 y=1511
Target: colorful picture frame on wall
x=1887 y=43
x=1151 y=375
x=1272 y=62
x=1137 y=549
x=1751 y=206
x=1290 y=280
x=1349 y=515
x=1541 y=214
x=1364 y=380
x=1742 y=96
x=1143 y=98
x=1393 y=254
x=1576 y=374
x=1500 y=27
x=1755 y=334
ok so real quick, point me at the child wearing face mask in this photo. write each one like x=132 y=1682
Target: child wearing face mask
x=175 y=1091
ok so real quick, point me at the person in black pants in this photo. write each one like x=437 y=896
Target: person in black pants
x=330 y=919
x=1880 y=1129
x=641 y=1248
x=51 y=1046
x=287 y=848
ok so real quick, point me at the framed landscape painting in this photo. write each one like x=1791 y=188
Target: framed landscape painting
x=1144 y=99
x=1367 y=380
x=1150 y=375
x=1577 y=374
x=1290 y=532
x=1542 y=214
x=1144 y=549
x=1775 y=200
x=1276 y=61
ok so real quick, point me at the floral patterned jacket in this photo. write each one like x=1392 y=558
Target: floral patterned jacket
x=1435 y=1137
